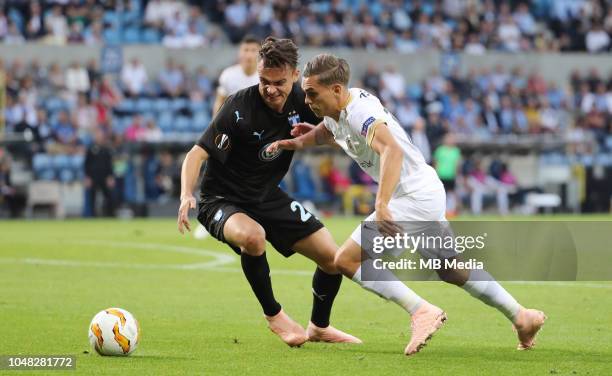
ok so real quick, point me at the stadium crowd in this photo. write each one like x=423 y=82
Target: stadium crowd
x=473 y=26
x=64 y=110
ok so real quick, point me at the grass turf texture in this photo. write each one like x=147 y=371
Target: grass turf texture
x=54 y=276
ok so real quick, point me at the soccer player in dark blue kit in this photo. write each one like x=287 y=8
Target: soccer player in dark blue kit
x=241 y=203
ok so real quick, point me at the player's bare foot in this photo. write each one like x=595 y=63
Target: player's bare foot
x=424 y=323
x=288 y=330
x=527 y=324
x=329 y=334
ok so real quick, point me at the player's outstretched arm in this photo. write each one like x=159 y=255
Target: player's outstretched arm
x=391 y=158
x=306 y=135
x=189 y=175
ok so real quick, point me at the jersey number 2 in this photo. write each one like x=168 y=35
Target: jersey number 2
x=304 y=215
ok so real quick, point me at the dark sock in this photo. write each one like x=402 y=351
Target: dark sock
x=257 y=272
x=324 y=290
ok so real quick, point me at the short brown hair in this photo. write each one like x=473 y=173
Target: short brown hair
x=276 y=53
x=330 y=69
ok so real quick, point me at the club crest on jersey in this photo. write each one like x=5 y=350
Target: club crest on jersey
x=265 y=156
x=366 y=125
x=293 y=118
x=222 y=141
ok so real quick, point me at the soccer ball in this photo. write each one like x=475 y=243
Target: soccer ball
x=114 y=331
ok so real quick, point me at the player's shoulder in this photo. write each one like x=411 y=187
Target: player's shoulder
x=243 y=97
x=362 y=103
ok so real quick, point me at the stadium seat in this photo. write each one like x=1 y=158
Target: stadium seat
x=164 y=121
x=144 y=104
x=151 y=36
x=131 y=20
x=112 y=36
x=179 y=104
x=131 y=35
x=303 y=184
x=196 y=106
x=127 y=105
x=61 y=161
x=77 y=164
x=16 y=16
x=415 y=92
x=200 y=121
x=161 y=104
x=112 y=18
x=43 y=168
x=66 y=175
x=182 y=124
x=149 y=115
x=125 y=123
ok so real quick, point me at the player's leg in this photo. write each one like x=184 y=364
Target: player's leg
x=482 y=286
x=243 y=232
x=321 y=248
x=476 y=196
x=426 y=318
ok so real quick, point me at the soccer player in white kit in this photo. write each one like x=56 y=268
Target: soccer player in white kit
x=241 y=75
x=409 y=190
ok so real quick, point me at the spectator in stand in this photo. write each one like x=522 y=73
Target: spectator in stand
x=236 y=20
x=171 y=80
x=35 y=27
x=393 y=85
x=419 y=138
x=85 y=118
x=64 y=131
x=56 y=26
x=9 y=195
x=109 y=94
x=597 y=39
x=93 y=36
x=134 y=77
x=371 y=79
x=447 y=162
x=77 y=79
x=575 y=25
x=136 y=131
x=99 y=174
x=13 y=35
x=151 y=133
x=480 y=184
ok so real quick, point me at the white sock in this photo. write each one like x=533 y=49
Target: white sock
x=388 y=287
x=482 y=286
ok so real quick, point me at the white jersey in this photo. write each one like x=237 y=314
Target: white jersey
x=355 y=130
x=233 y=79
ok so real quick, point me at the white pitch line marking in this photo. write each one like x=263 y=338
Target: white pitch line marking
x=218 y=263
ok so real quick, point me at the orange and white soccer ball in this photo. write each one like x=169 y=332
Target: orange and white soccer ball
x=114 y=331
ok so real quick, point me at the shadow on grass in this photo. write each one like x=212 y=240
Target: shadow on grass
x=499 y=354
x=153 y=357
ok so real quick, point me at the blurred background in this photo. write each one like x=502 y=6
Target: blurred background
x=510 y=101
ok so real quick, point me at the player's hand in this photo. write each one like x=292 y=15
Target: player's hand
x=300 y=129
x=187 y=202
x=292 y=144
x=384 y=220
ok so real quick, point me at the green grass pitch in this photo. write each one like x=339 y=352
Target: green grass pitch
x=198 y=315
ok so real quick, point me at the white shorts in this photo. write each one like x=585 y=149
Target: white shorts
x=429 y=207
x=423 y=215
